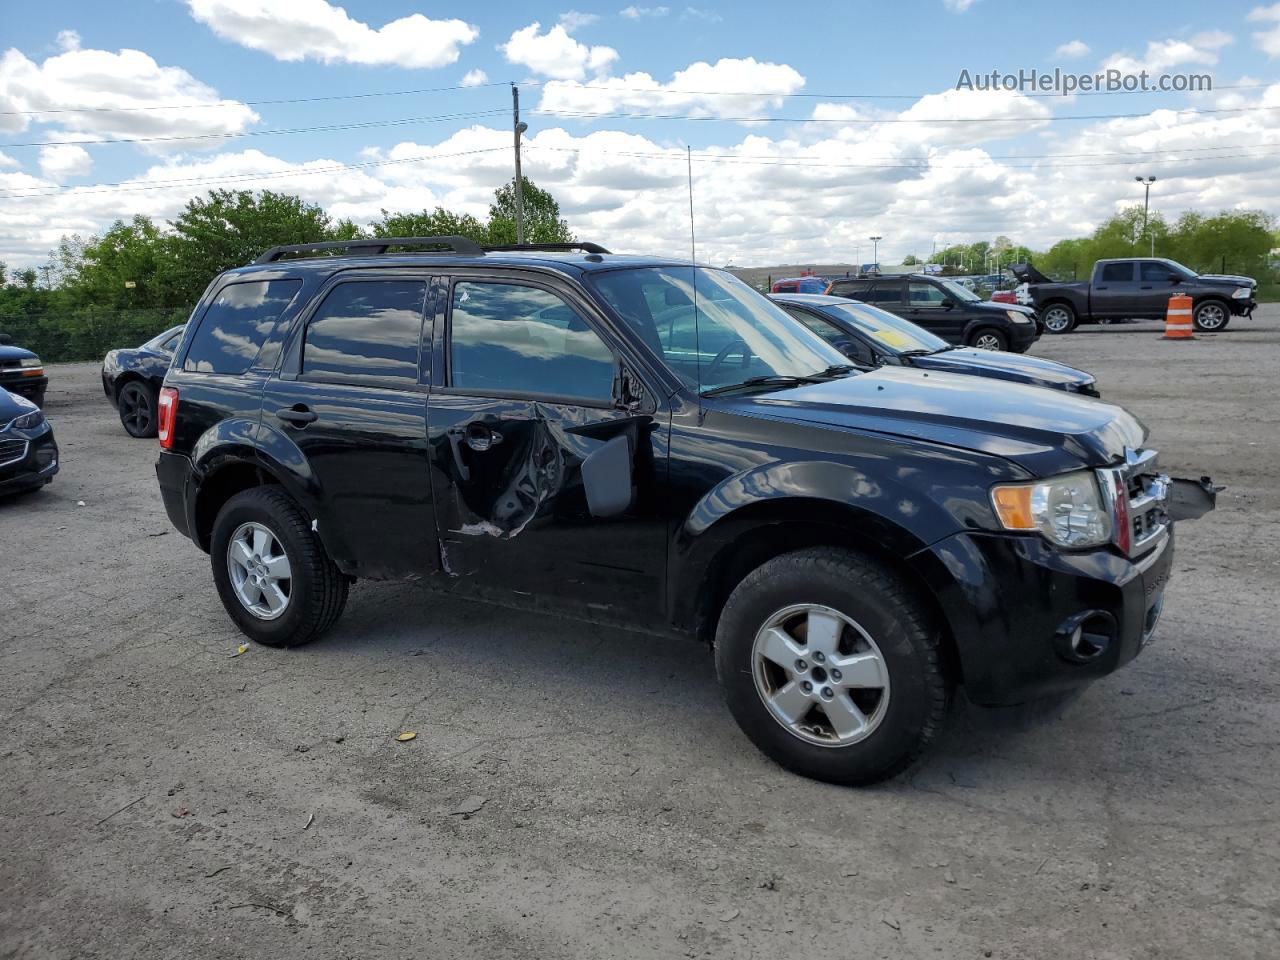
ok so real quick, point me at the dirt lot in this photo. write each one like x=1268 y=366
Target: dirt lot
x=162 y=798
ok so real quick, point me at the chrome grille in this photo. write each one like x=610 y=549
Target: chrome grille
x=11 y=451
x=1147 y=494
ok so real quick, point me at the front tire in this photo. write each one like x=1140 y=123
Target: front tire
x=988 y=338
x=273 y=576
x=852 y=631
x=138 y=405
x=1059 y=318
x=1211 y=316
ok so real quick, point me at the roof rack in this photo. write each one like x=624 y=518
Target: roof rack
x=372 y=246
x=585 y=247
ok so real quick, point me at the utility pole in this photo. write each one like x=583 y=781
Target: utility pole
x=519 y=129
x=1146 y=206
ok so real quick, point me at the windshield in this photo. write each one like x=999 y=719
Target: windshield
x=887 y=330
x=959 y=291
x=732 y=335
x=1185 y=272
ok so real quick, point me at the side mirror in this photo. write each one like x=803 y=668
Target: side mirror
x=948 y=304
x=1175 y=279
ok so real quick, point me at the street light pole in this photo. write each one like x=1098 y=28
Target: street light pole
x=1146 y=207
x=519 y=129
x=875 y=252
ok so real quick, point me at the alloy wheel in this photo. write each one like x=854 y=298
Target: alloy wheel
x=987 y=341
x=1057 y=320
x=259 y=569
x=1211 y=316
x=820 y=675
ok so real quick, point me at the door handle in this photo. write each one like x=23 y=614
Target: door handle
x=1148 y=288
x=299 y=415
x=481 y=438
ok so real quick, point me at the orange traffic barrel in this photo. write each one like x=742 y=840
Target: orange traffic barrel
x=1177 y=323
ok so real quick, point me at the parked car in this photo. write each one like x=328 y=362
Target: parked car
x=1003 y=296
x=806 y=284
x=872 y=337
x=132 y=378
x=541 y=427
x=21 y=371
x=1138 y=288
x=944 y=307
x=28 y=452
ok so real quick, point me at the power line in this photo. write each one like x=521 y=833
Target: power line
x=128 y=186
x=276 y=131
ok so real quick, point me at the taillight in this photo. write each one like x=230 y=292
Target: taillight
x=168 y=413
x=1120 y=505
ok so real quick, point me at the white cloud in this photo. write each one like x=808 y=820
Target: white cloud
x=1268 y=40
x=1163 y=55
x=958 y=6
x=68 y=40
x=64 y=161
x=1071 y=50
x=314 y=29
x=701 y=13
x=571 y=20
x=474 y=78
x=556 y=54
x=755 y=87
x=115 y=85
x=638 y=13
x=8 y=161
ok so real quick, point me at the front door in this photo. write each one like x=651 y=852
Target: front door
x=350 y=399
x=929 y=306
x=1157 y=282
x=545 y=475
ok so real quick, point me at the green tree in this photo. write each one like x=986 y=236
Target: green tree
x=542 y=222
x=131 y=265
x=910 y=260
x=430 y=223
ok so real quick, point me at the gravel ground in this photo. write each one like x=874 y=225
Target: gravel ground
x=581 y=792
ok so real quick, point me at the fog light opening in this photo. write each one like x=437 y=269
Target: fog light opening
x=1086 y=636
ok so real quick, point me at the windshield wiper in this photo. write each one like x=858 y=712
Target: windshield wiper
x=770 y=381
x=836 y=370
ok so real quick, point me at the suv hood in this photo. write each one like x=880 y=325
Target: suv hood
x=1005 y=366
x=1044 y=431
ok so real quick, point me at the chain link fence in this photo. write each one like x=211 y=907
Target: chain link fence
x=89 y=333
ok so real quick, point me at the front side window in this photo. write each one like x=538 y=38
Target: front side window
x=237 y=324
x=926 y=295
x=510 y=338
x=712 y=329
x=960 y=292
x=366 y=332
x=1155 y=271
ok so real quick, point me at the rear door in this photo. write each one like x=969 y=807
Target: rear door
x=1115 y=290
x=352 y=399
x=524 y=410
x=887 y=295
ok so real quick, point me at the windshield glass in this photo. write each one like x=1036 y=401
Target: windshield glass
x=886 y=329
x=959 y=291
x=1185 y=272
x=732 y=334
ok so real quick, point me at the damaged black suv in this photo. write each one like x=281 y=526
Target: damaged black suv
x=655 y=445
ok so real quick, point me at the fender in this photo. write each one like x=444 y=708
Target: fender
x=885 y=510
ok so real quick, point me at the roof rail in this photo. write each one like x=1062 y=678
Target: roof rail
x=372 y=246
x=585 y=247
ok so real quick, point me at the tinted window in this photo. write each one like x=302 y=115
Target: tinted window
x=889 y=294
x=508 y=338
x=236 y=325
x=1153 y=271
x=366 y=332
x=925 y=295
x=855 y=289
x=1117 y=272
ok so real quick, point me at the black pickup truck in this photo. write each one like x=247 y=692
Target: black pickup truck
x=1136 y=288
x=653 y=444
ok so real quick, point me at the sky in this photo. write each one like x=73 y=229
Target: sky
x=808 y=130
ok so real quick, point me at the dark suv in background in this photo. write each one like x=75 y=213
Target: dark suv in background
x=945 y=308
x=652 y=444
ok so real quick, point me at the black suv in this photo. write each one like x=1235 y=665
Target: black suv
x=946 y=309
x=656 y=445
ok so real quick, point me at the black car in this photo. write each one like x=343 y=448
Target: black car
x=871 y=337
x=28 y=453
x=132 y=378
x=651 y=444
x=946 y=308
x=21 y=371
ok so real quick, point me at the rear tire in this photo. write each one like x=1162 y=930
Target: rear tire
x=875 y=627
x=138 y=405
x=1059 y=318
x=315 y=593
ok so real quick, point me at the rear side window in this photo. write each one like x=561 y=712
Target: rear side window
x=237 y=324
x=366 y=332
x=885 y=294
x=1117 y=272
x=507 y=338
x=850 y=288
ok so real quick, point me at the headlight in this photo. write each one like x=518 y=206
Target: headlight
x=1017 y=317
x=30 y=362
x=1242 y=293
x=1067 y=510
x=28 y=421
